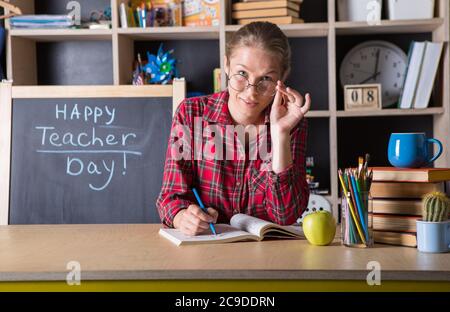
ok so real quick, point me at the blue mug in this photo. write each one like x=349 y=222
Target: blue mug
x=433 y=237
x=410 y=150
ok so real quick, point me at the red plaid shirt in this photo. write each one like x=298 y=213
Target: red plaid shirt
x=231 y=186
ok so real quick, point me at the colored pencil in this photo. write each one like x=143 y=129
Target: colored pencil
x=349 y=202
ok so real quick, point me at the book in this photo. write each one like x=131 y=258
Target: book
x=265 y=13
x=404 y=189
x=431 y=59
x=242 y=227
x=123 y=15
x=411 y=175
x=241 y=6
x=397 y=206
x=395 y=238
x=415 y=60
x=201 y=12
x=276 y=20
x=397 y=223
x=42 y=21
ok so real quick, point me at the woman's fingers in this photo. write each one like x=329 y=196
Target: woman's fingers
x=303 y=102
x=291 y=94
x=305 y=108
x=194 y=220
x=285 y=93
x=200 y=214
x=294 y=92
x=197 y=223
x=296 y=95
x=187 y=227
x=190 y=229
x=213 y=213
x=277 y=99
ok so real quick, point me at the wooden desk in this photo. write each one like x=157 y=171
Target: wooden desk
x=135 y=256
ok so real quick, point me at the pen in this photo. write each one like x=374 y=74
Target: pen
x=211 y=226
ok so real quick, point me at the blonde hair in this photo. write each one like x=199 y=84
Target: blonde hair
x=264 y=35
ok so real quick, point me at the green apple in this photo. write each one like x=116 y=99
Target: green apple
x=319 y=228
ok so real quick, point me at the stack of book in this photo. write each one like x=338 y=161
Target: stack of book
x=275 y=11
x=397 y=201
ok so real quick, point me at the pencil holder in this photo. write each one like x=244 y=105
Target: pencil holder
x=356 y=219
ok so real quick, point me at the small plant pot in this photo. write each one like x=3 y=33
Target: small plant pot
x=433 y=237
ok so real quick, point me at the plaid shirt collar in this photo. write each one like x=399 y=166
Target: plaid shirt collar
x=216 y=109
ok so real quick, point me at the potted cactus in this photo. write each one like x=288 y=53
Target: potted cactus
x=435 y=207
x=433 y=231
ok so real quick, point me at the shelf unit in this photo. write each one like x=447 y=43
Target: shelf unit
x=317 y=45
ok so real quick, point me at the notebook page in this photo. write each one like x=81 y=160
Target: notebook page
x=248 y=223
x=225 y=232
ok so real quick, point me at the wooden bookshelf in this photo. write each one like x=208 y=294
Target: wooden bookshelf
x=295 y=30
x=389 y=27
x=392 y=112
x=319 y=114
x=320 y=33
x=171 y=33
x=44 y=35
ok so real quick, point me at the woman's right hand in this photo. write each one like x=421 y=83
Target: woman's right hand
x=193 y=220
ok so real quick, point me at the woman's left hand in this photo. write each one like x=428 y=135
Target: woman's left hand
x=288 y=108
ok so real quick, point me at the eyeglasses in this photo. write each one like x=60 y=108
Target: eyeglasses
x=239 y=83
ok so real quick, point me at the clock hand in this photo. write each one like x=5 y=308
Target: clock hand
x=370 y=78
x=377 y=62
x=375 y=76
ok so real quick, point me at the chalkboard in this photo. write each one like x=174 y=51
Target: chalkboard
x=86 y=159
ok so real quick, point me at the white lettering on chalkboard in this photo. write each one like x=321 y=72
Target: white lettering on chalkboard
x=87 y=114
x=50 y=136
x=85 y=144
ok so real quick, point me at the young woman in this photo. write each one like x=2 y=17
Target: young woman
x=273 y=188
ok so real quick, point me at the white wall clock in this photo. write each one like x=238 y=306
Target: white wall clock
x=376 y=62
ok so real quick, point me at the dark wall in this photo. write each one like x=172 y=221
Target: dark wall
x=318 y=146
x=75 y=63
x=309 y=72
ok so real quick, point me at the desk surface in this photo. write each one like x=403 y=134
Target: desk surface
x=137 y=252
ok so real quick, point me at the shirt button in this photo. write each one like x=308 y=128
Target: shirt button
x=238 y=183
x=235 y=211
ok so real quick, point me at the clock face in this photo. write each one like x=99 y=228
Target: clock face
x=376 y=62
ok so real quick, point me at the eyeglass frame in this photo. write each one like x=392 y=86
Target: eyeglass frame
x=249 y=84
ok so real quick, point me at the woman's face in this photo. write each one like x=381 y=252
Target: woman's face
x=259 y=67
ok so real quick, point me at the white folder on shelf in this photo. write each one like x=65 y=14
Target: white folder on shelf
x=431 y=60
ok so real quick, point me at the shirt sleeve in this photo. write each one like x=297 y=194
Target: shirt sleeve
x=288 y=191
x=178 y=175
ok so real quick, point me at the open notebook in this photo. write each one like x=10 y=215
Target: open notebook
x=241 y=228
